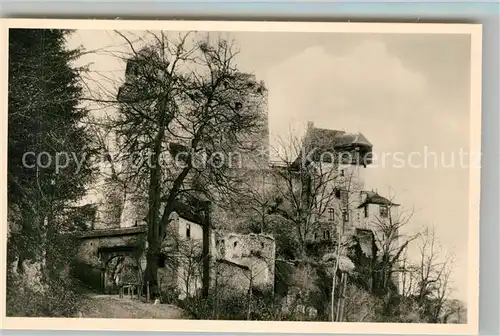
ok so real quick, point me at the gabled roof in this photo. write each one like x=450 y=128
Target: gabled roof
x=189 y=212
x=348 y=139
x=334 y=139
x=322 y=140
x=372 y=197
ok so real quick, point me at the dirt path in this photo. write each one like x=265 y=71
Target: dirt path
x=111 y=306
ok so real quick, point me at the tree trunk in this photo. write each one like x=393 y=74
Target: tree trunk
x=151 y=273
x=332 y=299
x=249 y=307
x=154 y=238
x=206 y=250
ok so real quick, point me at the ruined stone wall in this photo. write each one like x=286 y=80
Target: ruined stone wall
x=258 y=141
x=228 y=276
x=256 y=251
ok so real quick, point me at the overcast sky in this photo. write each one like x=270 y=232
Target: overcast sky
x=404 y=92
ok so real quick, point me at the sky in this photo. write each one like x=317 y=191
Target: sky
x=407 y=93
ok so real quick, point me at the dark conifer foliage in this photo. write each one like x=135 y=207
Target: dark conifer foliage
x=44 y=116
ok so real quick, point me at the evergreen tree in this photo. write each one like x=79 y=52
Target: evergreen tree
x=44 y=117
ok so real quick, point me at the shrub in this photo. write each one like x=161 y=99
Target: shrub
x=169 y=295
x=231 y=306
x=57 y=299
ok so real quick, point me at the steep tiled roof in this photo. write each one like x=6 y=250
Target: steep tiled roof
x=189 y=212
x=373 y=197
x=333 y=139
x=320 y=140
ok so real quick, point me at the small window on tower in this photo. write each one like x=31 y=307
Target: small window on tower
x=342 y=173
x=188 y=231
x=331 y=214
x=366 y=211
x=337 y=193
x=345 y=216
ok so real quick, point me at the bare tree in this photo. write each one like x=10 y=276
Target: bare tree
x=434 y=269
x=183 y=109
x=307 y=190
x=317 y=191
x=188 y=266
x=454 y=311
x=392 y=241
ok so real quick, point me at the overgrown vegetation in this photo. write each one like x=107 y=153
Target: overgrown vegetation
x=44 y=116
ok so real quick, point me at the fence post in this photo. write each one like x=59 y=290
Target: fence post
x=148 y=296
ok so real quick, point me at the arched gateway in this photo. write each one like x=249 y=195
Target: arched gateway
x=109 y=257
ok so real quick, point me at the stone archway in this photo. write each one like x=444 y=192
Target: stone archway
x=119 y=267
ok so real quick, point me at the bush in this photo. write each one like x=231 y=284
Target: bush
x=57 y=299
x=42 y=287
x=231 y=306
x=169 y=295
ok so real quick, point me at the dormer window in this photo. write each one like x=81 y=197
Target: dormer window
x=238 y=106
